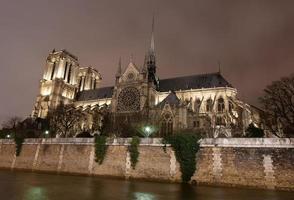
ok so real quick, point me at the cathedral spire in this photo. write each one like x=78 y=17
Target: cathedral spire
x=131 y=58
x=119 y=68
x=219 y=67
x=151 y=59
x=152 y=42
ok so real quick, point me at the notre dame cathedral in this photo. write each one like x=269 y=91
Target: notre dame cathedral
x=201 y=101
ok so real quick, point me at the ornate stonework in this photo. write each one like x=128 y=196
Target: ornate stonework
x=129 y=100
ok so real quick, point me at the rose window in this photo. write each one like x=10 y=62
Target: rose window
x=129 y=99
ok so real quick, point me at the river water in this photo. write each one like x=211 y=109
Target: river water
x=32 y=186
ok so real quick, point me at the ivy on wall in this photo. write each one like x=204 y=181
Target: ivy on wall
x=100 y=149
x=185 y=146
x=133 y=150
x=18 y=144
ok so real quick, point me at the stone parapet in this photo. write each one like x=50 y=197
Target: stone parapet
x=86 y=141
x=248 y=142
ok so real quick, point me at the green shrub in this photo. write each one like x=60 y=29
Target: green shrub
x=254 y=132
x=185 y=146
x=100 y=148
x=18 y=144
x=133 y=150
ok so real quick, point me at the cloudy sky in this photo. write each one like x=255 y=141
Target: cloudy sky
x=253 y=40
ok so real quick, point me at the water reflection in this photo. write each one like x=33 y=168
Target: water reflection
x=36 y=193
x=30 y=186
x=143 y=196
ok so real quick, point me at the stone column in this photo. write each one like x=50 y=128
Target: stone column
x=91 y=160
x=270 y=180
x=217 y=164
x=173 y=165
x=60 y=158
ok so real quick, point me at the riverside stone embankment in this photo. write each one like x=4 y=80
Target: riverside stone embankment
x=263 y=163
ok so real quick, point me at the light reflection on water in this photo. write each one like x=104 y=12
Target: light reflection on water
x=36 y=193
x=143 y=196
x=31 y=186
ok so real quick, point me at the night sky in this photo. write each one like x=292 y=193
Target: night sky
x=253 y=40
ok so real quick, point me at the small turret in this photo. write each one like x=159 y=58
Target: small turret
x=118 y=73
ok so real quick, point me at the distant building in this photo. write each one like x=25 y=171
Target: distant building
x=204 y=102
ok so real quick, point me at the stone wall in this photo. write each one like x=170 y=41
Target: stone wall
x=262 y=163
x=77 y=156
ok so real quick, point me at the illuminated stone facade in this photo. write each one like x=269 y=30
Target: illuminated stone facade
x=62 y=79
x=206 y=102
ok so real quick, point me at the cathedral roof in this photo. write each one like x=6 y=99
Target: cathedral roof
x=171 y=99
x=193 y=82
x=165 y=85
x=100 y=93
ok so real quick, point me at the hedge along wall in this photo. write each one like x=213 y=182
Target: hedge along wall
x=263 y=163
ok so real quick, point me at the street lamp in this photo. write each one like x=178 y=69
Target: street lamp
x=147 y=131
x=46 y=133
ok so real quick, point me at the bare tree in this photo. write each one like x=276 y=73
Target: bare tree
x=12 y=124
x=64 y=120
x=278 y=103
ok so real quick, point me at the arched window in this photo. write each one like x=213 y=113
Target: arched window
x=209 y=105
x=197 y=105
x=69 y=74
x=231 y=106
x=65 y=69
x=166 y=124
x=220 y=105
x=220 y=121
x=53 y=71
x=80 y=84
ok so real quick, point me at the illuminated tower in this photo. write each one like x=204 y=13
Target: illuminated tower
x=59 y=83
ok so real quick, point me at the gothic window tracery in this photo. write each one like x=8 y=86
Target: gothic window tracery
x=129 y=99
x=209 y=105
x=197 y=105
x=131 y=76
x=220 y=121
x=220 y=105
x=166 y=124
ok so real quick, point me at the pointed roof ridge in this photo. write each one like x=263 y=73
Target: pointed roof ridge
x=131 y=63
x=171 y=99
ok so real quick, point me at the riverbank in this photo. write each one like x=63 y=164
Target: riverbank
x=28 y=186
x=257 y=163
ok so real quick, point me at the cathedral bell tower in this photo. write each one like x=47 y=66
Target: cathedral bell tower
x=59 y=82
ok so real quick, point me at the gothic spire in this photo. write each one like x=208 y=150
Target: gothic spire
x=119 y=68
x=131 y=58
x=152 y=43
x=219 y=67
x=151 y=59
